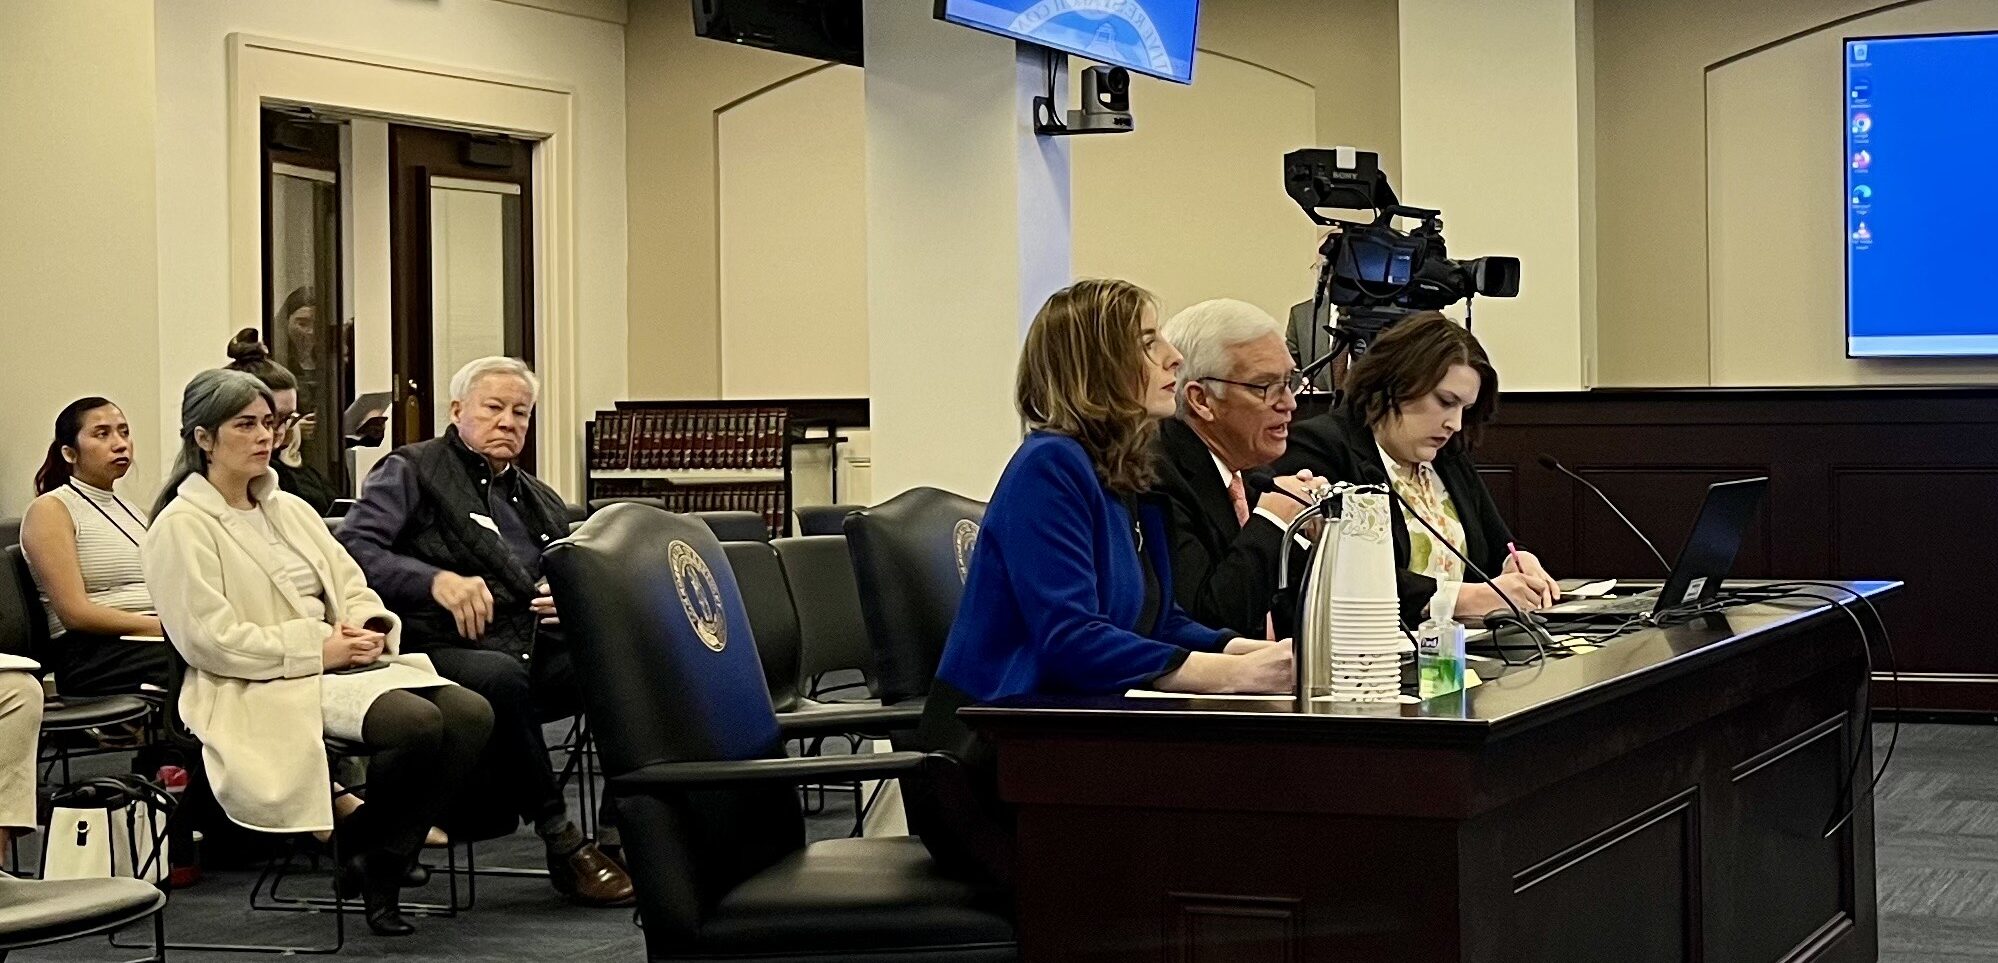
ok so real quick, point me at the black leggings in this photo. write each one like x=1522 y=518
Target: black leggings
x=424 y=742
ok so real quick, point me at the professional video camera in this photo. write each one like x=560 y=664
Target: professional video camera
x=1373 y=273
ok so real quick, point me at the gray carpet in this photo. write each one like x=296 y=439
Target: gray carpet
x=1936 y=832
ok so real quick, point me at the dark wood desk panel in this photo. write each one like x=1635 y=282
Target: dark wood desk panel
x=1864 y=483
x=1663 y=798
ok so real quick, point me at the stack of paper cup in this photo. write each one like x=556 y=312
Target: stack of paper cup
x=1364 y=610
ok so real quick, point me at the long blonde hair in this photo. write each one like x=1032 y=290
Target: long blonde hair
x=1080 y=374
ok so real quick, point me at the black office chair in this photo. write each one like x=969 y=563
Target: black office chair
x=736 y=526
x=10 y=531
x=704 y=791
x=776 y=620
x=834 y=632
x=911 y=554
x=24 y=631
x=35 y=912
x=599 y=504
x=824 y=519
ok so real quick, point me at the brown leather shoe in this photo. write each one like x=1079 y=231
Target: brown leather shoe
x=589 y=877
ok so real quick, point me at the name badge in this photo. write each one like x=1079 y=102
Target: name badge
x=485 y=522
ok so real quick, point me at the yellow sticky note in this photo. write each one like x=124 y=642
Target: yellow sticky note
x=1471 y=680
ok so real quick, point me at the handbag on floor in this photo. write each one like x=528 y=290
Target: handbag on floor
x=109 y=826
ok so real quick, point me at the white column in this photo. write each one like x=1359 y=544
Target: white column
x=1497 y=130
x=967 y=233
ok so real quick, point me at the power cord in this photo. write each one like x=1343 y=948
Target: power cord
x=1866 y=711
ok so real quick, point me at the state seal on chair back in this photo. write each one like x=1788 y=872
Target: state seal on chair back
x=706 y=798
x=911 y=555
x=670 y=674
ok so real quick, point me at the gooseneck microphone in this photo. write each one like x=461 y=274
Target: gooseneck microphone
x=1262 y=481
x=1549 y=462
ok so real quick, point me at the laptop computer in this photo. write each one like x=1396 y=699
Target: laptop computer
x=1706 y=559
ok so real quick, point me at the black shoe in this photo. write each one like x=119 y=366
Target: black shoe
x=416 y=876
x=382 y=896
x=385 y=911
x=381 y=899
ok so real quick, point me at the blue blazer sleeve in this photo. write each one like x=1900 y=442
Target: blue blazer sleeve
x=1180 y=630
x=1050 y=524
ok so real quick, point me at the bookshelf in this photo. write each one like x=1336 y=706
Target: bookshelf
x=713 y=455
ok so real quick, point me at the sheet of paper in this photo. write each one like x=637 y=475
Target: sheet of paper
x=1587 y=590
x=1238 y=697
x=17 y=663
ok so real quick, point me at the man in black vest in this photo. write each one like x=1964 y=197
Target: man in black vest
x=1237 y=390
x=450 y=532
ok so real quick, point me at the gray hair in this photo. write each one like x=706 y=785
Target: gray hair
x=209 y=401
x=469 y=375
x=1205 y=332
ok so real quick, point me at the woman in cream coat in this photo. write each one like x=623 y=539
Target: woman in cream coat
x=287 y=645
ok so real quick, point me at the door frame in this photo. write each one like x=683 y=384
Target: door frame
x=266 y=70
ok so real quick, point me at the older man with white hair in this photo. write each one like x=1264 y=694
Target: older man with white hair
x=1237 y=390
x=450 y=532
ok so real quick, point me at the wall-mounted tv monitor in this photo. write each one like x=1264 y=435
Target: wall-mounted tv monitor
x=1146 y=36
x=1921 y=195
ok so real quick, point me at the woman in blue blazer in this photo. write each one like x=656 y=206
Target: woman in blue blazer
x=1070 y=586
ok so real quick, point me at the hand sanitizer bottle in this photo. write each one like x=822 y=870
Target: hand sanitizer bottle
x=1439 y=647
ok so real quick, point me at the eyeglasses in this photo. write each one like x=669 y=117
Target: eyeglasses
x=1292 y=383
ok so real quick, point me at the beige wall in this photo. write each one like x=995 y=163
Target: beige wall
x=1317 y=72
x=1776 y=211
x=1492 y=102
x=78 y=268
x=793 y=242
x=1191 y=204
x=1770 y=201
x=526 y=57
x=675 y=83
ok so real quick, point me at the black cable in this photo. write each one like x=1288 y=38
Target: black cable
x=1893 y=673
x=1848 y=784
x=1528 y=624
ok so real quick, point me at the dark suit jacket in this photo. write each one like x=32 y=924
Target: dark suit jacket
x=1307 y=340
x=1337 y=447
x=1224 y=574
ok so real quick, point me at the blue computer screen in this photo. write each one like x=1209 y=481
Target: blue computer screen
x=1149 y=36
x=1921 y=195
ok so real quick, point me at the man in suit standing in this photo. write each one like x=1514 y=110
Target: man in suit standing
x=1237 y=391
x=1307 y=340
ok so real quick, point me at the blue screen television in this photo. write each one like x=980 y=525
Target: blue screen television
x=1921 y=199
x=1146 y=36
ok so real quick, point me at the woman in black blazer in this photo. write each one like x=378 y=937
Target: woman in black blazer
x=1413 y=404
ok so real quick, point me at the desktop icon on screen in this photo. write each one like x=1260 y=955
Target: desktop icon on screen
x=1861 y=89
x=1861 y=234
x=1862 y=160
x=1862 y=122
x=1861 y=195
x=1859 y=52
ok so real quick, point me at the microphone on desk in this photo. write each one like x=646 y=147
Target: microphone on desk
x=1262 y=481
x=1550 y=463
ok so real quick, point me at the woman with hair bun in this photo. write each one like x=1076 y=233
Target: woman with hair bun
x=249 y=354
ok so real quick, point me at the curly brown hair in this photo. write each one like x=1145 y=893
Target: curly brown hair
x=1081 y=373
x=1408 y=361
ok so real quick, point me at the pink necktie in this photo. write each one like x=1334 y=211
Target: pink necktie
x=1239 y=497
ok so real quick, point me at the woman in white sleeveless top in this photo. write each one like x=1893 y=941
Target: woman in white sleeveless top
x=81 y=541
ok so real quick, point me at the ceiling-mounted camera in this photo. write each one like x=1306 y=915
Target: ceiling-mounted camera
x=1106 y=105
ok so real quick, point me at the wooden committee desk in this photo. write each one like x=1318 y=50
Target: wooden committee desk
x=1663 y=798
